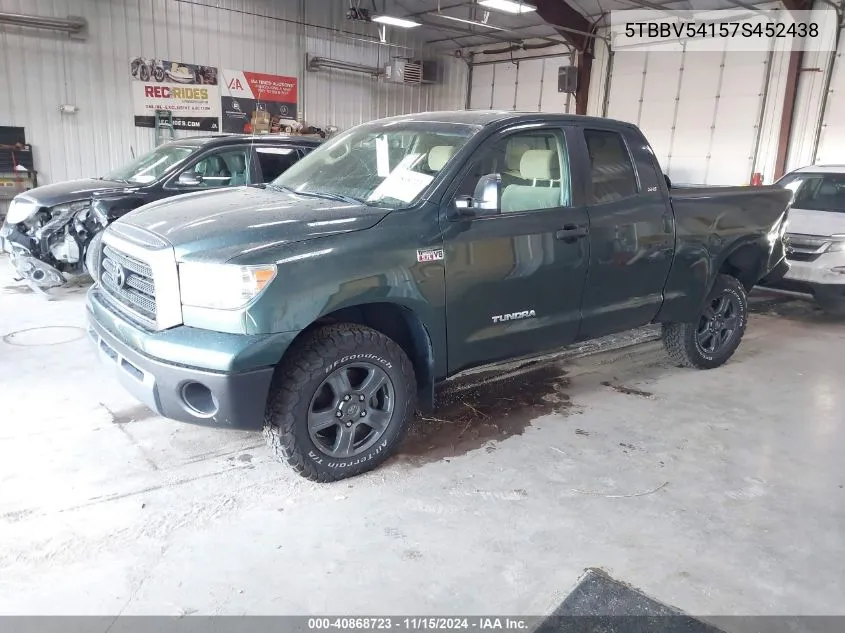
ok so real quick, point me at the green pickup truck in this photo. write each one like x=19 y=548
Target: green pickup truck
x=326 y=306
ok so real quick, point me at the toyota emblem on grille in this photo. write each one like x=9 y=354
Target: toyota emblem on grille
x=120 y=277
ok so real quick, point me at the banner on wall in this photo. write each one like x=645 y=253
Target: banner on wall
x=188 y=91
x=256 y=102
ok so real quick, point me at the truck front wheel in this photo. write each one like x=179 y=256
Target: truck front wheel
x=713 y=338
x=340 y=402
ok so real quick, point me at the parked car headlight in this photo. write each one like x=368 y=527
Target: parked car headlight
x=20 y=210
x=92 y=256
x=222 y=286
x=838 y=244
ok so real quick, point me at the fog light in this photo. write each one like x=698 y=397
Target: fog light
x=199 y=399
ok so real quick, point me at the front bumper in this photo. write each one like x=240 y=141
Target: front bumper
x=221 y=396
x=821 y=271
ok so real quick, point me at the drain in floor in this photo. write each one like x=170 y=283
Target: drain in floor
x=47 y=335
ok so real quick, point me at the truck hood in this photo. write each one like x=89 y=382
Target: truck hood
x=219 y=225
x=72 y=190
x=822 y=223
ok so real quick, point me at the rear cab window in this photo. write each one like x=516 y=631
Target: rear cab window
x=612 y=175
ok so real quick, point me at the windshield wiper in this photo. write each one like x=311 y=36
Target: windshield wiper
x=271 y=185
x=332 y=196
x=319 y=194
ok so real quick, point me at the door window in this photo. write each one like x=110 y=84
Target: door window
x=612 y=175
x=534 y=167
x=275 y=161
x=817 y=192
x=226 y=168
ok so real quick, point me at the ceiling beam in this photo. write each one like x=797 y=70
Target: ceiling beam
x=568 y=21
x=580 y=33
x=797 y=5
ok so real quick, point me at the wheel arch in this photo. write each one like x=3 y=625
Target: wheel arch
x=745 y=262
x=399 y=323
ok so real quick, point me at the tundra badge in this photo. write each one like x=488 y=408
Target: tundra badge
x=513 y=316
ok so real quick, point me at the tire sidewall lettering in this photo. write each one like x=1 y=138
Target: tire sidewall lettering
x=353 y=357
x=374 y=451
x=361 y=459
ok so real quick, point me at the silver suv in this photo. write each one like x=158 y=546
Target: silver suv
x=816 y=235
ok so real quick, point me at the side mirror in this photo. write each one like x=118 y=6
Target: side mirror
x=189 y=179
x=668 y=182
x=485 y=198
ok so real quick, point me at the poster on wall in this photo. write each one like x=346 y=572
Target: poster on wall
x=257 y=103
x=188 y=91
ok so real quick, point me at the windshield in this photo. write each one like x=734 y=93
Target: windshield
x=382 y=164
x=816 y=192
x=150 y=167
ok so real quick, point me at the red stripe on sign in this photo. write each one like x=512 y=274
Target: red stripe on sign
x=272 y=87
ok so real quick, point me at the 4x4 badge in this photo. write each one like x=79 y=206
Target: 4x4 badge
x=429 y=254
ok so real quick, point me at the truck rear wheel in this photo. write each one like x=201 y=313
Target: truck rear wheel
x=340 y=402
x=714 y=336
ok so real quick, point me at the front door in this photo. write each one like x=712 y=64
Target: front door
x=222 y=167
x=514 y=279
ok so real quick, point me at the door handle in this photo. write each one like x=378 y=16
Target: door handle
x=571 y=232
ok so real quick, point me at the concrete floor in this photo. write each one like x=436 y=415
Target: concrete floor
x=717 y=492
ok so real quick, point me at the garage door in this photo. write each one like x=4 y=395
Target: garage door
x=700 y=109
x=832 y=140
x=525 y=85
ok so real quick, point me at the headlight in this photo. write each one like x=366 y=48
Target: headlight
x=20 y=210
x=92 y=256
x=838 y=245
x=222 y=286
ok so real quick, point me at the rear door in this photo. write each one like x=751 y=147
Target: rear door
x=631 y=231
x=514 y=279
x=274 y=160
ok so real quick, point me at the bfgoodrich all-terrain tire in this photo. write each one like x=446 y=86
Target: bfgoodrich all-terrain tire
x=714 y=336
x=340 y=402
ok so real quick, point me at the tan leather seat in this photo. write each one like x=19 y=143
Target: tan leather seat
x=438 y=156
x=536 y=165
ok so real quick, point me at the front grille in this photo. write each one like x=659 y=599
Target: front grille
x=129 y=284
x=805 y=248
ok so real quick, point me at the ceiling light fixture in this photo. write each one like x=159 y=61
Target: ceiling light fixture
x=508 y=6
x=473 y=22
x=392 y=21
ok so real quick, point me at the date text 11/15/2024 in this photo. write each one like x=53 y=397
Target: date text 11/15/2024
x=417 y=623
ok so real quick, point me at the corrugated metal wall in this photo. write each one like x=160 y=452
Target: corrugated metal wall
x=522 y=81
x=818 y=130
x=345 y=99
x=39 y=70
x=831 y=146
